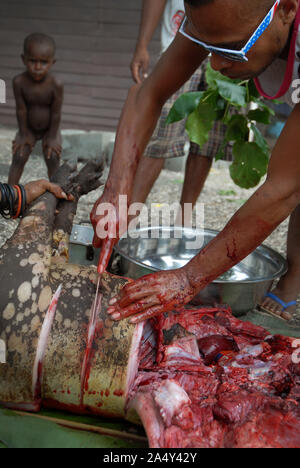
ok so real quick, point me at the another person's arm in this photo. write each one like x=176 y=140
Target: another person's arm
x=25 y=136
x=35 y=189
x=152 y=12
x=138 y=121
x=249 y=227
x=51 y=141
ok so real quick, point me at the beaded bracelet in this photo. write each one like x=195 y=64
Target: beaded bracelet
x=9 y=200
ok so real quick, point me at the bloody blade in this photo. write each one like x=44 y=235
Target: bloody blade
x=96 y=307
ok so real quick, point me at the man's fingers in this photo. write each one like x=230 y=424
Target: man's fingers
x=149 y=313
x=130 y=296
x=134 y=291
x=138 y=307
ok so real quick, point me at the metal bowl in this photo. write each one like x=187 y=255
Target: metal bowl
x=147 y=250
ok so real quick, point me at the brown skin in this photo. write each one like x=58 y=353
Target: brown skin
x=38 y=187
x=197 y=167
x=39 y=99
x=151 y=15
x=266 y=209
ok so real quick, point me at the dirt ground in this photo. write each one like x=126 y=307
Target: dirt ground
x=221 y=197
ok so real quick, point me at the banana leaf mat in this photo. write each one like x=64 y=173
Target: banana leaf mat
x=47 y=430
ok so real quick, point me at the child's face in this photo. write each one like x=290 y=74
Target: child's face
x=38 y=60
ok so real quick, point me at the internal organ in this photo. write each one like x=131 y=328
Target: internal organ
x=195 y=378
x=231 y=385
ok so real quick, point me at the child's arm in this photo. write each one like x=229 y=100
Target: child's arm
x=25 y=137
x=52 y=140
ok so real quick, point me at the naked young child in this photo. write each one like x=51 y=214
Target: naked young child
x=39 y=98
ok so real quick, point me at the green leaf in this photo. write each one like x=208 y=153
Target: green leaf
x=237 y=128
x=233 y=93
x=252 y=89
x=250 y=164
x=200 y=123
x=260 y=102
x=259 y=140
x=184 y=106
x=227 y=193
x=260 y=116
x=212 y=76
x=28 y=432
x=221 y=153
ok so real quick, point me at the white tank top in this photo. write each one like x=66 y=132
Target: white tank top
x=276 y=82
x=173 y=15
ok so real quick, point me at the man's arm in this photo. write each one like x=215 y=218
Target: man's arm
x=249 y=227
x=152 y=12
x=139 y=118
x=143 y=108
x=51 y=141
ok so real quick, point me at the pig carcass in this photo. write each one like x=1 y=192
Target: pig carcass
x=193 y=377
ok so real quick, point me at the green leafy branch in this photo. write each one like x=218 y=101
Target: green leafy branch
x=223 y=101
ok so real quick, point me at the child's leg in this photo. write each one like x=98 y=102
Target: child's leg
x=53 y=161
x=19 y=160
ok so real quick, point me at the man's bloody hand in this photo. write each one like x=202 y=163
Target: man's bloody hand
x=152 y=295
x=109 y=224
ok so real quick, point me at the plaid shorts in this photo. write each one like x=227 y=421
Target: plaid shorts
x=168 y=141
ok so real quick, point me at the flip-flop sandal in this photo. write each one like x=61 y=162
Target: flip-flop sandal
x=279 y=301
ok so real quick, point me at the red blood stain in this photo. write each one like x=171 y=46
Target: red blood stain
x=118 y=393
x=107 y=392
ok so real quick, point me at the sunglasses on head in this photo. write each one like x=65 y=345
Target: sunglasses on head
x=231 y=54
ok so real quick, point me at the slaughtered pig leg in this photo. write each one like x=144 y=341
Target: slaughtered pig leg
x=27 y=288
x=25 y=262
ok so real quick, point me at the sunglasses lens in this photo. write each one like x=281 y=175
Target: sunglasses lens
x=230 y=56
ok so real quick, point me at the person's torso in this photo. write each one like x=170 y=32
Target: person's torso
x=276 y=82
x=173 y=15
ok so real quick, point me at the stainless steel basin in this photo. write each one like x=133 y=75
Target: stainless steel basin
x=152 y=249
